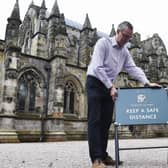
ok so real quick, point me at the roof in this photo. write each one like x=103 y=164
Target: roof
x=79 y=27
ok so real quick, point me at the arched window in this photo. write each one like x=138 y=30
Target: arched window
x=27 y=92
x=69 y=97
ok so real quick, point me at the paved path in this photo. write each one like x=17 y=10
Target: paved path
x=74 y=154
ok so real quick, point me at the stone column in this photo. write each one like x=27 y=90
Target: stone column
x=7 y=117
x=54 y=126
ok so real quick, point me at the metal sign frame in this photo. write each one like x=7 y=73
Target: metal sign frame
x=139 y=106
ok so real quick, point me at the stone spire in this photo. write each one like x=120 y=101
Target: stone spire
x=87 y=23
x=55 y=10
x=43 y=5
x=12 y=28
x=16 y=11
x=87 y=35
x=43 y=9
x=113 y=32
x=56 y=26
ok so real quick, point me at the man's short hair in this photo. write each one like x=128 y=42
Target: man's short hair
x=123 y=25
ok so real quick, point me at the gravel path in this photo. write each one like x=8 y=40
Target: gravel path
x=74 y=154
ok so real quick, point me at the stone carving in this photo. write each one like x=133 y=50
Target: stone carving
x=11 y=74
x=65 y=45
x=60 y=73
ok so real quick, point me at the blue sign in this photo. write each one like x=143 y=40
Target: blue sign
x=138 y=106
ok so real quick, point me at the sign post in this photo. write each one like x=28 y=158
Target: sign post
x=140 y=106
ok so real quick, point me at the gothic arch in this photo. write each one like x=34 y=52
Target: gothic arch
x=30 y=91
x=75 y=80
x=37 y=72
x=72 y=95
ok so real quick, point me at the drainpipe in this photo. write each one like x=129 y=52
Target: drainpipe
x=47 y=68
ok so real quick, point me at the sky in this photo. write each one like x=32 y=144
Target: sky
x=147 y=16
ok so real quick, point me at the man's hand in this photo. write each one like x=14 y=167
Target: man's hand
x=153 y=85
x=113 y=93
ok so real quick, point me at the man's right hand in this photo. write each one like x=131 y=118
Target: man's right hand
x=113 y=93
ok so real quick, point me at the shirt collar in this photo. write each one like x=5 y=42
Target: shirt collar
x=114 y=42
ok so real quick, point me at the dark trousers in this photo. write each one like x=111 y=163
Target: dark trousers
x=100 y=110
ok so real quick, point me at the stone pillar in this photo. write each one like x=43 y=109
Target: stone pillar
x=54 y=127
x=7 y=117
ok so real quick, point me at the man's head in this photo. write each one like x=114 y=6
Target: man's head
x=124 y=33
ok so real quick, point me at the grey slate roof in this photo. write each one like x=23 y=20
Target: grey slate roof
x=79 y=27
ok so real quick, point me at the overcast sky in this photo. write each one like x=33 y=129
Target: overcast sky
x=147 y=16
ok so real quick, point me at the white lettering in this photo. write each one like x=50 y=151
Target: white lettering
x=152 y=110
x=132 y=110
x=143 y=117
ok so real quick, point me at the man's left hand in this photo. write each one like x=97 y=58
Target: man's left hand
x=153 y=85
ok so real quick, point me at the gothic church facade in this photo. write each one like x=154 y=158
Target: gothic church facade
x=43 y=61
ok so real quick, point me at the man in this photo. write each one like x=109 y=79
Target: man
x=109 y=58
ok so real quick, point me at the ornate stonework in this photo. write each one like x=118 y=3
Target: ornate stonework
x=43 y=62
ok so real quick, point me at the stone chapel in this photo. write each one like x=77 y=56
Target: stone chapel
x=43 y=62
